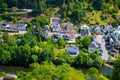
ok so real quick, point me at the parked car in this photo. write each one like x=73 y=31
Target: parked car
x=101 y=50
x=100 y=54
x=111 y=53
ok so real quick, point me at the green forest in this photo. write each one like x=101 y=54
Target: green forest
x=47 y=58
x=76 y=11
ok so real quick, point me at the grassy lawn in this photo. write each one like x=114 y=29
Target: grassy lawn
x=95 y=18
x=119 y=13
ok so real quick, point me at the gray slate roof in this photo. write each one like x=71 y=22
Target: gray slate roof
x=72 y=49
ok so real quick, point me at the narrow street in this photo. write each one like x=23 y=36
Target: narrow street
x=20 y=32
x=100 y=39
x=105 y=54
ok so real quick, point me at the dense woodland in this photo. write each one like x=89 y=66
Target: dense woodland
x=48 y=58
x=77 y=11
x=22 y=50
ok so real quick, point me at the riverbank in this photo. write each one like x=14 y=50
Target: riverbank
x=107 y=69
x=13 y=69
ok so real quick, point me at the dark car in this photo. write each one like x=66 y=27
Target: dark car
x=101 y=50
x=100 y=54
x=111 y=53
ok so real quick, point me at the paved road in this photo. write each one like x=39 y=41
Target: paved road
x=22 y=11
x=100 y=39
x=105 y=54
x=20 y=32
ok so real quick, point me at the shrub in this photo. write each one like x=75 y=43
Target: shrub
x=114 y=15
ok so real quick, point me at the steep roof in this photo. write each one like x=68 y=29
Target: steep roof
x=72 y=49
x=118 y=28
x=85 y=27
x=93 y=44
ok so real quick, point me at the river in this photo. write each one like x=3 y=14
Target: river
x=106 y=70
x=14 y=69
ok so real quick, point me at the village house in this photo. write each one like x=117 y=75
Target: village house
x=46 y=34
x=94 y=45
x=107 y=28
x=72 y=50
x=116 y=35
x=108 y=35
x=117 y=45
x=22 y=26
x=68 y=36
x=84 y=31
x=67 y=27
x=112 y=51
x=97 y=29
x=113 y=41
x=10 y=27
x=55 y=24
x=46 y=27
x=118 y=28
x=4 y=25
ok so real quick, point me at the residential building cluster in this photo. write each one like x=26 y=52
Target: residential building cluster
x=67 y=32
x=106 y=38
x=10 y=27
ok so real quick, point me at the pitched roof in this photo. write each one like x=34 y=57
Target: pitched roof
x=72 y=49
x=118 y=28
x=93 y=44
x=85 y=27
x=55 y=20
